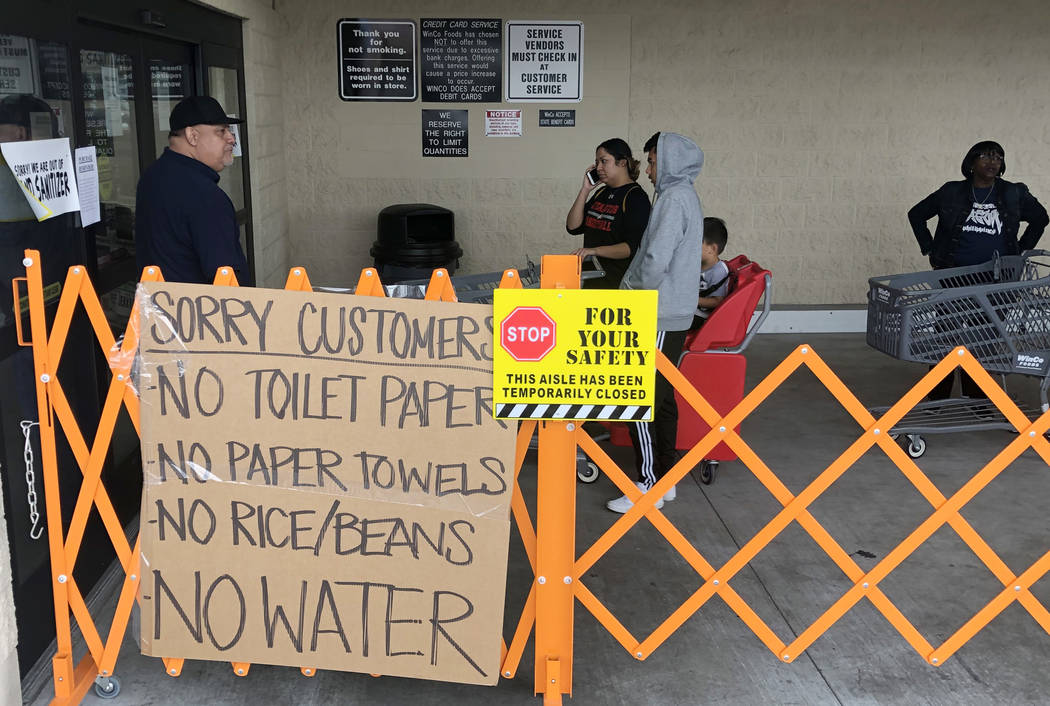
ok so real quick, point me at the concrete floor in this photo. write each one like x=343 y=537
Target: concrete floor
x=713 y=657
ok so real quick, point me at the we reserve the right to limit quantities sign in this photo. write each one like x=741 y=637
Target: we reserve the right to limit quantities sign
x=573 y=354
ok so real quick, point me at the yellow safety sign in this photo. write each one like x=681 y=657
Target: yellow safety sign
x=573 y=354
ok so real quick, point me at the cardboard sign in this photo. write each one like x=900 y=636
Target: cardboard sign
x=574 y=354
x=45 y=172
x=325 y=484
x=544 y=61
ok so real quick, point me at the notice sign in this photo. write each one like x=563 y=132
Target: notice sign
x=44 y=169
x=444 y=133
x=503 y=123
x=574 y=354
x=544 y=61
x=87 y=186
x=462 y=60
x=325 y=484
x=377 y=60
x=557 y=118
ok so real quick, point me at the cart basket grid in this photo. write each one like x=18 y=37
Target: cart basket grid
x=999 y=310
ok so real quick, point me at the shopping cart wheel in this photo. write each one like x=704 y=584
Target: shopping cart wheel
x=107 y=689
x=915 y=446
x=707 y=469
x=587 y=471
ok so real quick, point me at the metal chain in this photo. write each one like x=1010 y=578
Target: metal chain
x=27 y=454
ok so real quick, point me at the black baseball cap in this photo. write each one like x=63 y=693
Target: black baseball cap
x=199 y=110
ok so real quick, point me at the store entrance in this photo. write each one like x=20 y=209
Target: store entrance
x=110 y=80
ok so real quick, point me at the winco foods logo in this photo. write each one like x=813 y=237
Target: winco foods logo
x=1030 y=362
x=883 y=295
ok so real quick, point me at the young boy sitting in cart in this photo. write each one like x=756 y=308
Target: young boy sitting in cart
x=714 y=274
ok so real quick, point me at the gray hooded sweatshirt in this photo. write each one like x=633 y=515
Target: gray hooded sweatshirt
x=668 y=259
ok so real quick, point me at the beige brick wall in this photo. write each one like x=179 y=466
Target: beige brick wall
x=350 y=159
x=823 y=122
x=263 y=30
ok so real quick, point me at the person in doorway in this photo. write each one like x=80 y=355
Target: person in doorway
x=668 y=260
x=977 y=218
x=185 y=223
x=714 y=274
x=610 y=212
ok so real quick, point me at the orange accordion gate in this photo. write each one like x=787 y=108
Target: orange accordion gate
x=550 y=543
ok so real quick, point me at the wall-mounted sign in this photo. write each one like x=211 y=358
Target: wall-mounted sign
x=461 y=60
x=444 y=133
x=557 y=118
x=377 y=60
x=503 y=123
x=544 y=61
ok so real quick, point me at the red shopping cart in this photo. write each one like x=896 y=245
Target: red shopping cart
x=714 y=363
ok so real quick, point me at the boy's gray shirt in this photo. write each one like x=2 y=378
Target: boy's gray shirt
x=668 y=259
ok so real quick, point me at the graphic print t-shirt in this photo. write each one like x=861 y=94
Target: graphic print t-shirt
x=718 y=272
x=614 y=215
x=982 y=231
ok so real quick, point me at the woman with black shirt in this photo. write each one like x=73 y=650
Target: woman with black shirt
x=976 y=218
x=613 y=217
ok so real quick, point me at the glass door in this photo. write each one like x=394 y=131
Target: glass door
x=224 y=82
x=36 y=103
x=130 y=83
x=107 y=80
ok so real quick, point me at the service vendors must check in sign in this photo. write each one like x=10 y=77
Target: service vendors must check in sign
x=573 y=354
x=544 y=61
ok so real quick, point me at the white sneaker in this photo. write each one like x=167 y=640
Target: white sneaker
x=670 y=494
x=622 y=504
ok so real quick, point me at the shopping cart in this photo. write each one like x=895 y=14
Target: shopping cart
x=999 y=310
x=478 y=288
x=713 y=362
x=469 y=288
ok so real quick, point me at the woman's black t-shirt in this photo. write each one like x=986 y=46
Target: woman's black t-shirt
x=611 y=216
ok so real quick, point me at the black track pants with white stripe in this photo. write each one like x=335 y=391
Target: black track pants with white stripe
x=654 y=441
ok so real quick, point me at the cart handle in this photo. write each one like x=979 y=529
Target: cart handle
x=766 y=306
x=596 y=273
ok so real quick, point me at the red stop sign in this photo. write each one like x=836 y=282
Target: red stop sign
x=527 y=333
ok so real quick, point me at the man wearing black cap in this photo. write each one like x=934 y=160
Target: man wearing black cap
x=184 y=222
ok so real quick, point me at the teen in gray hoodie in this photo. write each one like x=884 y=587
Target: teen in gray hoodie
x=668 y=260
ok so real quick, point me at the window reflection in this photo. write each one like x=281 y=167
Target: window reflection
x=109 y=118
x=169 y=83
x=223 y=87
x=35 y=104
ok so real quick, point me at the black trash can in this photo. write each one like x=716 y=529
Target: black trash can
x=413 y=239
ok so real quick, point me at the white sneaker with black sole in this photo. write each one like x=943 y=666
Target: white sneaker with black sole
x=623 y=503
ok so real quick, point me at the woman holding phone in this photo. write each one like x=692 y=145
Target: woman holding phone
x=611 y=211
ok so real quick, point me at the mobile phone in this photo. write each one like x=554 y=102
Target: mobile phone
x=592 y=176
